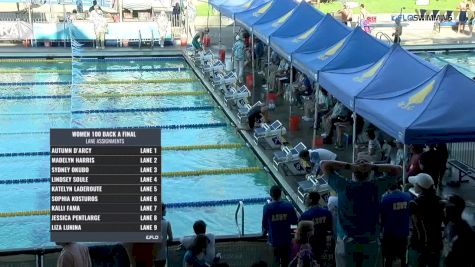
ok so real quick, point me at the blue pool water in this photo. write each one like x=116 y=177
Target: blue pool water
x=25 y=123
x=463 y=61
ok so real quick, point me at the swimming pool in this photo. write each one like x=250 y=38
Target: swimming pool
x=463 y=61
x=168 y=94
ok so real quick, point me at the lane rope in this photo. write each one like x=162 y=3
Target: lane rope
x=164 y=93
x=212 y=172
x=19 y=71
x=167 y=127
x=164 y=109
x=164 y=148
x=211 y=203
x=31 y=60
x=34 y=97
x=155 y=81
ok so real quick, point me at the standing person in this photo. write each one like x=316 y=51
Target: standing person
x=94 y=4
x=239 y=56
x=459 y=236
x=277 y=217
x=195 y=255
x=196 y=42
x=163 y=27
x=346 y=15
x=79 y=6
x=395 y=218
x=427 y=215
x=100 y=26
x=302 y=251
x=444 y=156
x=363 y=13
x=190 y=14
x=258 y=52
x=359 y=201
x=430 y=162
x=414 y=167
x=322 y=225
x=374 y=152
x=199 y=227
x=397 y=31
x=167 y=237
x=73 y=255
x=462 y=7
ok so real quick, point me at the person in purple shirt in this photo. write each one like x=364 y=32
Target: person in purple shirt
x=395 y=218
x=359 y=200
x=277 y=217
x=322 y=224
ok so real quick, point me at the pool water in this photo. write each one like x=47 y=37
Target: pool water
x=25 y=125
x=463 y=61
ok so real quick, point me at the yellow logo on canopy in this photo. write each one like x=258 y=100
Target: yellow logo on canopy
x=330 y=52
x=282 y=19
x=418 y=98
x=370 y=73
x=305 y=35
x=248 y=4
x=262 y=10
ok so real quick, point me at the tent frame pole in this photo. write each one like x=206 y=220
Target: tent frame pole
x=268 y=75
x=404 y=165
x=252 y=68
x=315 y=116
x=291 y=85
x=354 y=136
x=219 y=30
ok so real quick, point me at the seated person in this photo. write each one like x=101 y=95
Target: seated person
x=282 y=75
x=346 y=127
x=274 y=66
x=339 y=113
x=374 y=148
x=324 y=103
x=312 y=157
x=302 y=88
x=199 y=227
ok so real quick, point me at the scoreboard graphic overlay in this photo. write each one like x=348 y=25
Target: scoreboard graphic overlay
x=105 y=185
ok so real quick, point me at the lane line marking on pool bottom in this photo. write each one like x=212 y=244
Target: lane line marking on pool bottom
x=194 y=204
x=20 y=71
x=163 y=127
x=164 y=148
x=164 y=109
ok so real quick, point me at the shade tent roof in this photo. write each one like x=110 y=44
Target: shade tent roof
x=265 y=30
x=356 y=49
x=436 y=111
x=264 y=13
x=229 y=8
x=304 y=23
x=398 y=69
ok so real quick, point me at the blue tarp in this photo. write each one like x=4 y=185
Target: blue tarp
x=265 y=29
x=229 y=8
x=437 y=111
x=296 y=30
x=264 y=13
x=356 y=49
x=398 y=69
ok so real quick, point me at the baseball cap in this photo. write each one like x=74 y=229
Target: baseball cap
x=423 y=180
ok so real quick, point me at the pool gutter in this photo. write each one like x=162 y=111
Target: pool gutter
x=259 y=151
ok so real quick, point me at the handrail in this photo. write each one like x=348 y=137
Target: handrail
x=382 y=34
x=240 y=207
x=140 y=39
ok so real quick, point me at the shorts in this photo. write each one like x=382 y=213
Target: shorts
x=463 y=16
x=394 y=247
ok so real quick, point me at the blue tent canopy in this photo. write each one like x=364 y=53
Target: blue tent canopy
x=263 y=31
x=264 y=13
x=436 y=111
x=398 y=69
x=356 y=49
x=296 y=30
x=229 y=8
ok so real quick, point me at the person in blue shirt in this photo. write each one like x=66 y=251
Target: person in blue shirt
x=359 y=201
x=395 y=218
x=277 y=217
x=322 y=224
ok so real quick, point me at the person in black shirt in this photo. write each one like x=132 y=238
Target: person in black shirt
x=458 y=237
x=430 y=162
x=427 y=215
x=92 y=7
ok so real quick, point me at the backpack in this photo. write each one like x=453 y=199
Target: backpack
x=304 y=258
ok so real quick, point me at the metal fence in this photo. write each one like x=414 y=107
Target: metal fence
x=463 y=152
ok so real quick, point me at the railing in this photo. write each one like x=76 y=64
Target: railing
x=380 y=36
x=463 y=152
x=240 y=206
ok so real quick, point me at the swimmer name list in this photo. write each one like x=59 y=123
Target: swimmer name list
x=105 y=185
